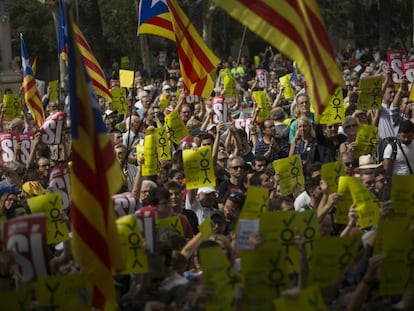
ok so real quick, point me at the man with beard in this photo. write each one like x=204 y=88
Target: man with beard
x=404 y=158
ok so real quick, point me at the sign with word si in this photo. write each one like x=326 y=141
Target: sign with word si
x=264 y=104
x=291 y=174
x=175 y=127
x=395 y=60
x=8 y=143
x=64 y=292
x=243 y=124
x=124 y=204
x=408 y=70
x=219 y=274
x=261 y=77
x=366 y=140
x=402 y=196
x=132 y=245
x=370 y=93
x=309 y=299
x=51 y=205
x=396 y=272
x=150 y=165
x=199 y=168
x=331 y=256
x=146 y=224
x=119 y=100
x=219 y=110
x=345 y=202
x=52 y=129
x=334 y=111
x=264 y=276
x=282 y=227
x=59 y=181
x=25 y=235
x=12 y=106
x=191 y=99
x=330 y=173
x=163 y=144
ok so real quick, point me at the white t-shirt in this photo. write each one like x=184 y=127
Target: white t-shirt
x=301 y=201
x=400 y=164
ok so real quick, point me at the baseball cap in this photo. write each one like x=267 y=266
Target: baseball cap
x=206 y=190
x=166 y=87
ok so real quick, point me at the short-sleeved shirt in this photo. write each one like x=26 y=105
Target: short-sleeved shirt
x=400 y=164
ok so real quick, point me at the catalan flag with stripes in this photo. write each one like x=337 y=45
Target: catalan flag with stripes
x=31 y=93
x=197 y=61
x=96 y=176
x=296 y=28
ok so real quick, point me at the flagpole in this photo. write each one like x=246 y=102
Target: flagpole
x=241 y=45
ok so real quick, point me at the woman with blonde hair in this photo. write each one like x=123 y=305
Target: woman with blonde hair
x=304 y=139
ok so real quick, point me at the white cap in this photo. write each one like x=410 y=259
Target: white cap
x=206 y=190
x=166 y=87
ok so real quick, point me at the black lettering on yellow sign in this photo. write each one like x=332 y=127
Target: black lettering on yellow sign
x=122 y=100
x=336 y=102
x=263 y=207
x=162 y=142
x=232 y=277
x=287 y=235
x=314 y=302
x=205 y=165
x=346 y=257
x=55 y=217
x=171 y=133
x=134 y=244
x=276 y=275
x=52 y=290
x=294 y=172
x=376 y=93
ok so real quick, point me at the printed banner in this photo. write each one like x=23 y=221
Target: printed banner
x=53 y=129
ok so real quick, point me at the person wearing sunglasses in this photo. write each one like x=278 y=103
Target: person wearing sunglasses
x=350 y=127
x=235 y=168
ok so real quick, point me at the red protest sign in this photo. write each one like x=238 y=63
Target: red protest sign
x=52 y=129
x=59 y=181
x=124 y=204
x=261 y=77
x=219 y=108
x=408 y=69
x=25 y=235
x=8 y=143
x=395 y=60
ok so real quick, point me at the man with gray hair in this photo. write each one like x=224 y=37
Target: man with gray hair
x=235 y=168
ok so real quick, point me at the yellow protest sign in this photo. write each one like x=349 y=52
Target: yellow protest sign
x=150 y=165
x=173 y=222
x=124 y=62
x=140 y=150
x=367 y=206
x=63 y=292
x=219 y=274
x=345 y=202
x=366 y=140
x=51 y=205
x=309 y=299
x=370 y=93
x=282 y=227
x=119 y=100
x=402 y=196
x=396 y=242
x=54 y=90
x=164 y=101
x=176 y=127
x=256 y=203
x=264 y=276
x=263 y=103
x=126 y=78
x=163 y=144
x=334 y=111
x=291 y=174
x=11 y=103
x=132 y=245
x=229 y=84
x=17 y=300
x=205 y=229
x=288 y=90
x=330 y=173
x=331 y=256
x=199 y=168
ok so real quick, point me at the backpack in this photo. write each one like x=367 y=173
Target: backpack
x=393 y=141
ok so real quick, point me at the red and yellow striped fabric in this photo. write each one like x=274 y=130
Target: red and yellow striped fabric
x=93 y=68
x=296 y=28
x=96 y=176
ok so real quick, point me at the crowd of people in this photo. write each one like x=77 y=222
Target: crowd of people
x=243 y=156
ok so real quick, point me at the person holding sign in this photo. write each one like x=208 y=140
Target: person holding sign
x=268 y=146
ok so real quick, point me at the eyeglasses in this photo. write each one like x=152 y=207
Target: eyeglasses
x=349 y=164
x=237 y=167
x=351 y=126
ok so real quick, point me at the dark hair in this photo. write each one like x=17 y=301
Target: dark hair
x=280 y=200
x=171 y=173
x=158 y=194
x=255 y=179
x=236 y=197
x=311 y=184
x=259 y=158
x=406 y=126
x=177 y=156
x=172 y=185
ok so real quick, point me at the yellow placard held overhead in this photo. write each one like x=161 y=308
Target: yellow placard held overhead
x=126 y=78
x=331 y=256
x=366 y=140
x=229 y=84
x=124 y=62
x=63 y=292
x=309 y=299
x=11 y=103
x=173 y=222
x=54 y=90
x=132 y=245
x=264 y=276
x=262 y=101
x=176 y=127
x=199 y=168
x=163 y=144
x=334 y=112
x=219 y=274
x=51 y=205
x=402 y=196
x=17 y=300
x=291 y=174
x=344 y=203
x=366 y=204
x=330 y=173
x=119 y=100
x=256 y=203
x=150 y=165
x=288 y=90
x=370 y=93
